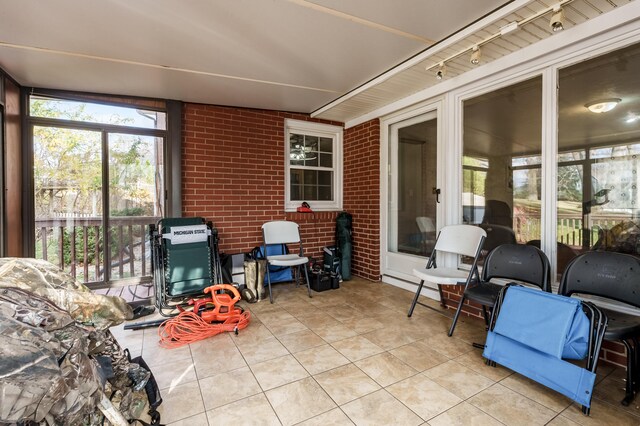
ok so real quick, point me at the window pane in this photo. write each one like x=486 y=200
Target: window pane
x=296 y=192
x=325 y=178
x=96 y=113
x=324 y=193
x=502 y=130
x=326 y=145
x=296 y=176
x=310 y=177
x=67 y=174
x=311 y=144
x=598 y=197
x=310 y=192
x=326 y=160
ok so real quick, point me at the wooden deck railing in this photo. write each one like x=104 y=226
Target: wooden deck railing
x=76 y=245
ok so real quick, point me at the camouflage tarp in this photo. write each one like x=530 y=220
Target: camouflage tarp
x=46 y=280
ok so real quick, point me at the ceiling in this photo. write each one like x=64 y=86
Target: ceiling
x=289 y=55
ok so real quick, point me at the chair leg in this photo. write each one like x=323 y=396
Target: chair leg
x=269 y=283
x=455 y=317
x=306 y=275
x=442 y=299
x=629 y=388
x=415 y=299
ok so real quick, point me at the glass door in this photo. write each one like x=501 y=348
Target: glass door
x=413 y=193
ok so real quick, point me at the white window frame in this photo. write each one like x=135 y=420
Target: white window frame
x=321 y=130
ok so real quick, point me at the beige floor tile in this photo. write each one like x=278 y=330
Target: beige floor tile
x=174 y=374
x=278 y=372
x=299 y=401
x=301 y=340
x=561 y=421
x=419 y=356
x=612 y=390
x=181 y=402
x=155 y=355
x=389 y=338
x=357 y=347
x=346 y=383
x=263 y=350
x=380 y=408
x=274 y=317
x=510 y=407
x=474 y=361
x=423 y=396
x=458 y=379
x=363 y=324
x=252 y=411
x=197 y=420
x=318 y=321
x=385 y=368
x=464 y=414
x=213 y=358
x=537 y=392
x=448 y=346
x=344 y=312
x=254 y=332
x=225 y=388
x=321 y=358
x=286 y=327
x=601 y=413
x=302 y=309
x=333 y=333
x=334 y=417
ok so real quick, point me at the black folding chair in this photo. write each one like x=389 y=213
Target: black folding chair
x=513 y=262
x=614 y=276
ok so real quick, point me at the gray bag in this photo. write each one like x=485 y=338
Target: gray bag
x=254 y=270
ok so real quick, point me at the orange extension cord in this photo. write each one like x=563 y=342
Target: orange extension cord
x=188 y=327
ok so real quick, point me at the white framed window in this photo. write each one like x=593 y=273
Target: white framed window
x=313 y=165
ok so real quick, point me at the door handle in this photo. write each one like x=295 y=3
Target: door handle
x=437 y=192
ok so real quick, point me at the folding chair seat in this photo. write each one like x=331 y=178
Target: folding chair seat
x=185 y=259
x=614 y=276
x=513 y=262
x=535 y=333
x=463 y=240
x=284 y=232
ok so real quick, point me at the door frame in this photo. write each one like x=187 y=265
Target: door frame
x=401 y=275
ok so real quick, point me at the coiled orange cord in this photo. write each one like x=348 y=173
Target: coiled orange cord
x=188 y=327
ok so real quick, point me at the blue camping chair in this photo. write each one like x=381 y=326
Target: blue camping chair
x=534 y=333
x=185 y=260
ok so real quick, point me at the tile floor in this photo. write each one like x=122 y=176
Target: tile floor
x=351 y=356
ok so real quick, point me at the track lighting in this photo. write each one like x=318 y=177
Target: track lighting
x=557 y=19
x=442 y=70
x=475 y=55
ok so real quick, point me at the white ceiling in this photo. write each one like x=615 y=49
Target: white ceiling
x=290 y=55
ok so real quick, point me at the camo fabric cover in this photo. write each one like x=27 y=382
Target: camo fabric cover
x=57 y=356
x=45 y=279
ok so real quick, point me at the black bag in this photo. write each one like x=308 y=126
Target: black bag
x=344 y=235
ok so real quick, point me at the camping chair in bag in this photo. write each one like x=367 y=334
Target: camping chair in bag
x=185 y=260
x=464 y=240
x=284 y=232
x=534 y=333
x=613 y=276
x=513 y=262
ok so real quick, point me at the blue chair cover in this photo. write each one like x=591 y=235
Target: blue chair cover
x=532 y=334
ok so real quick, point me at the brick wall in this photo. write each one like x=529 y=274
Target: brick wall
x=233 y=174
x=362 y=195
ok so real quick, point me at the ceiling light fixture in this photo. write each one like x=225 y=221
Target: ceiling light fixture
x=557 y=19
x=632 y=118
x=475 y=55
x=442 y=70
x=602 y=105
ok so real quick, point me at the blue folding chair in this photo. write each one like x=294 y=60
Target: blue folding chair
x=533 y=333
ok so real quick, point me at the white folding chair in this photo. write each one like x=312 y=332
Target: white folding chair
x=465 y=240
x=284 y=232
